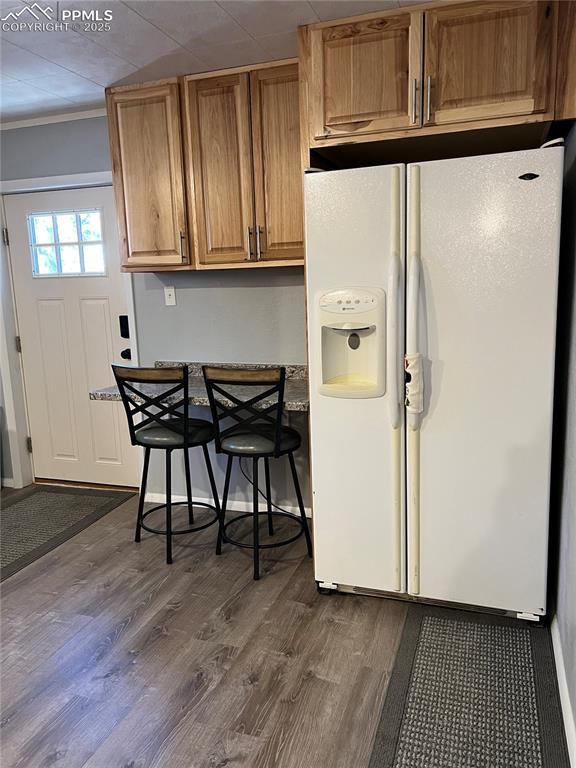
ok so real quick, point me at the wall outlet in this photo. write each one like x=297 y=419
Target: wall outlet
x=170 y=296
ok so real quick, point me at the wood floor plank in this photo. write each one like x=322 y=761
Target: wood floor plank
x=328 y=659
x=72 y=735
x=247 y=695
x=73 y=661
x=297 y=737
x=50 y=629
x=71 y=564
x=112 y=659
x=202 y=746
x=350 y=735
x=165 y=707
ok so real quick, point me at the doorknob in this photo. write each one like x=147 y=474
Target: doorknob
x=126 y=354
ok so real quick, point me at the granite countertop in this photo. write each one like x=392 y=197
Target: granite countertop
x=295 y=390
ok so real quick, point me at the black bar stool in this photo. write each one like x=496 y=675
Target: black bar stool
x=256 y=433
x=160 y=396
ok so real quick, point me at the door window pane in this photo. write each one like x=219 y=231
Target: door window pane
x=46 y=260
x=90 y=225
x=67 y=243
x=67 y=228
x=43 y=229
x=70 y=258
x=93 y=258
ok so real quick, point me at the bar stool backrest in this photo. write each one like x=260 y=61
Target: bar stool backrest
x=260 y=413
x=159 y=395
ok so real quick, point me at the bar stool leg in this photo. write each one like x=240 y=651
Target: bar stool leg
x=255 y=525
x=221 y=533
x=215 y=497
x=188 y=486
x=168 y=507
x=300 y=504
x=268 y=496
x=137 y=535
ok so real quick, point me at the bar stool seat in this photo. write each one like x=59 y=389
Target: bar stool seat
x=243 y=442
x=157 y=436
x=256 y=431
x=159 y=396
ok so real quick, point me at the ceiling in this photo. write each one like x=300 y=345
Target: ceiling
x=54 y=72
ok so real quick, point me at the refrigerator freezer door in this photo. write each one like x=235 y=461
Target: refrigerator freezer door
x=486 y=331
x=354 y=237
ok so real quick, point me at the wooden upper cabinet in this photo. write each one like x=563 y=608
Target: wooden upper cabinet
x=220 y=172
x=279 y=209
x=489 y=60
x=364 y=75
x=147 y=166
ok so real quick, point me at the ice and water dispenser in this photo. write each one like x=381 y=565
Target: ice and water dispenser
x=353 y=342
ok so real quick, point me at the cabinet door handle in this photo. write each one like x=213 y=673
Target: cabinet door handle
x=414 y=107
x=258 y=244
x=182 y=238
x=250 y=254
x=428 y=97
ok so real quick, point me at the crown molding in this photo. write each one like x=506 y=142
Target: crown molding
x=69 y=181
x=47 y=119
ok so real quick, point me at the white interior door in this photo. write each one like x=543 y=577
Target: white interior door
x=485 y=327
x=69 y=296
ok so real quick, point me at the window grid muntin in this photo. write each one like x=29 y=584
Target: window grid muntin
x=56 y=243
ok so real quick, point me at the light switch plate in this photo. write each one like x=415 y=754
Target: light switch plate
x=170 y=296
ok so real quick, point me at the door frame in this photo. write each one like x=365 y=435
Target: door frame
x=12 y=378
x=23 y=463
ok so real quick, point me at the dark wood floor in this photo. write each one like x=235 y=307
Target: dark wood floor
x=112 y=659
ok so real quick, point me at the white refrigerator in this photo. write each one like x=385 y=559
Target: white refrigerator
x=431 y=296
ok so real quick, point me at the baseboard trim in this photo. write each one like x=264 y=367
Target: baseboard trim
x=567 y=713
x=93 y=486
x=235 y=506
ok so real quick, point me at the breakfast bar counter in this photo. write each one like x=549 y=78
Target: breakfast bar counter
x=295 y=390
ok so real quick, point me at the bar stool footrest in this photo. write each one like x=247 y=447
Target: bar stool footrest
x=262 y=513
x=184 y=530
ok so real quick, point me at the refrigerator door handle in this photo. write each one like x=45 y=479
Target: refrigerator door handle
x=392 y=341
x=412 y=352
x=412 y=355
x=413 y=297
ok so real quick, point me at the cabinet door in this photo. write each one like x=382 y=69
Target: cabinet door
x=218 y=120
x=277 y=167
x=489 y=60
x=365 y=75
x=146 y=147
x=566 y=68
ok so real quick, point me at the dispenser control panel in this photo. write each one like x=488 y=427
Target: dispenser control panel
x=352 y=341
x=348 y=300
